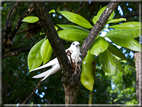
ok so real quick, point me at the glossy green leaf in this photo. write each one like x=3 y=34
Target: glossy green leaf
x=51 y=11
x=126 y=42
x=30 y=19
x=118 y=66
x=113 y=49
x=128 y=25
x=129 y=33
x=89 y=58
x=72 y=34
x=116 y=20
x=34 y=57
x=95 y=19
x=46 y=51
x=107 y=61
x=87 y=78
x=72 y=27
x=75 y=18
x=56 y=28
x=99 y=46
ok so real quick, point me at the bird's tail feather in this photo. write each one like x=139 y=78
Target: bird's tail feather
x=41 y=74
x=52 y=62
x=47 y=73
x=55 y=69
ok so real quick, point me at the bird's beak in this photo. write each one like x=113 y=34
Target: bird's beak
x=78 y=45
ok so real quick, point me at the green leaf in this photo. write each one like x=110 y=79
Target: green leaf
x=95 y=19
x=127 y=25
x=87 y=78
x=46 y=51
x=71 y=35
x=41 y=33
x=129 y=33
x=118 y=66
x=126 y=42
x=99 y=46
x=89 y=58
x=113 y=49
x=72 y=27
x=107 y=61
x=56 y=28
x=34 y=57
x=116 y=20
x=75 y=18
x=51 y=11
x=30 y=19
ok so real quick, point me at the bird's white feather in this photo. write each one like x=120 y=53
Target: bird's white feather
x=50 y=63
x=75 y=52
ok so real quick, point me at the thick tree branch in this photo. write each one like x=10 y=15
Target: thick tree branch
x=53 y=38
x=16 y=52
x=97 y=27
x=138 y=60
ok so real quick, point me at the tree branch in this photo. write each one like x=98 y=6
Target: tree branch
x=53 y=38
x=97 y=28
x=32 y=92
x=7 y=38
x=7 y=24
x=16 y=52
x=130 y=15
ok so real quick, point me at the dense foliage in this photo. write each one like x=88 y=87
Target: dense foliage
x=18 y=84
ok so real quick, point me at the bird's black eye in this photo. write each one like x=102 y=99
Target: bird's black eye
x=73 y=43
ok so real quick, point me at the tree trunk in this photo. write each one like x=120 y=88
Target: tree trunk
x=70 y=94
x=138 y=59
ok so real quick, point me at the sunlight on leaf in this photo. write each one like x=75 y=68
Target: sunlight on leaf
x=87 y=78
x=75 y=18
x=34 y=57
x=71 y=35
x=30 y=19
x=46 y=51
x=99 y=46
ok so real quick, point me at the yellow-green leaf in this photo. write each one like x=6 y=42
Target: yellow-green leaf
x=76 y=18
x=30 y=19
x=46 y=51
x=87 y=78
x=71 y=35
x=99 y=46
x=34 y=57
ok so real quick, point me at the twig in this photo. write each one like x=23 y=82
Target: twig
x=32 y=92
x=16 y=52
x=81 y=7
x=66 y=6
x=8 y=16
x=31 y=27
x=9 y=37
x=130 y=15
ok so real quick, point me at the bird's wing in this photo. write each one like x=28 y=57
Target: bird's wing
x=46 y=74
x=50 y=63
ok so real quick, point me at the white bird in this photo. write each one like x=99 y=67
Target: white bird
x=73 y=53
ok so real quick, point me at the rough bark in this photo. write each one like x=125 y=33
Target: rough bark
x=138 y=60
